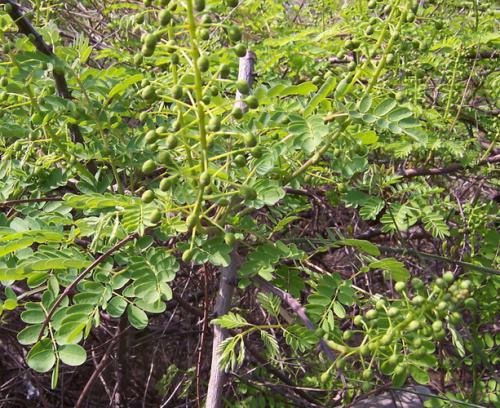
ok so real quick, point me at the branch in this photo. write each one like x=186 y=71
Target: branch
x=77 y=280
x=297 y=308
x=454 y=167
x=12 y=203
x=222 y=305
x=24 y=26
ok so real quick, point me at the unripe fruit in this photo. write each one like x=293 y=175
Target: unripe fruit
x=242 y=86
x=191 y=221
x=151 y=137
x=214 y=124
x=204 y=34
x=203 y=63
x=155 y=217
x=369 y=30
x=148 y=167
x=234 y=33
x=380 y=305
x=248 y=193
x=147 y=196
x=249 y=139
x=164 y=184
x=366 y=374
x=148 y=3
x=364 y=350
x=390 y=58
x=470 y=303
x=410 y=17
x=138 y=59
x=437 y=325
x=392 y=311
x=399 y=286
x=4 y=82
x=257 y=152
x=240 y=50
x=206 y=19
x=148 y=92
x=151 y=40
x=174 y=59
x=237 y=112
x=232 y=3
x=176 y=125
x=229 y=238
x=165 y=17
x=204 y=179
x=448 y=276
x=418 y=300
x=252 y=101
x=358 y=320
x=466 y=284
x=171 y=142
x=351 y=66
x=199 y=5
x=347 y=335
x=177 y=92
x=224 y=71
x=414 y=325
x=371 y=314
x=187 y=255
x=240 y=160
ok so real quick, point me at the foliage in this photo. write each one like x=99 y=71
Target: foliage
x=384 y=111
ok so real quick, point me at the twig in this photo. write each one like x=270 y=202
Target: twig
x=202 y=336
x=24 y=26
x=296 y=307
x=75 y=282
x=12 y=203
x=454 y=167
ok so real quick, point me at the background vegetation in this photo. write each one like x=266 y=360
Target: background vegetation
x=313 y=234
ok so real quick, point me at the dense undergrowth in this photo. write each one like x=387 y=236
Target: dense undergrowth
x=350 y=182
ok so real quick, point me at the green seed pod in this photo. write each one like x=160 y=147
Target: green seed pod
x=171 y=142
x=242 y=86
x=229 y=238
x=187 y=255
x=203 y=63
x=147 y=196
x=224 y=71
x=165 y=184
x=249 y=139
x=240 y=161
x=237 y=113
x=149 y=92
x=234 y=33
x=148 y=167
x=205 y=179
x=199 y=5
x=214 y=124
x=165 y=17
x=204 y=34
x=240 y=50
x=155 y=217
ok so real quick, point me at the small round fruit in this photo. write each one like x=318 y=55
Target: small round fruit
x=257 y=152
x=369 y=30
x=165 y=184
x=155 y=217
x=410 y=17
x=234 y=33
x=470 y=303
x=252 y=101
x=393 y=311
x=418 y=300
x=151 y=137
x=437 y=325
x=203 y=63
x=237 y=112
x=148 y=167
x=205 y=179
x=414 y=325
x=366 y=374
x=240 y=50
x=390 y=58
x=417 y=342
x=448 y=276
x=371 y=314
x=199 y=5
x=231 y=3
x=242 y=86
x=165 y=17
x=151 y=40
x=187 y=255
x=240 y=161
x=138 y=59
x=248 y=193
x=149 y=92
x=191 y=221
x=229 y=238
x=214 y=124
x=380 y=305
x=250 y=139
x=224 y=71
x=171 y=142
x=147 y=196
x=372 y=4
x=204 y=34
x=174 y=59
x=399 y=286
x=347 y=335
x=358 y=320
x=466 y=284
x=177 y=92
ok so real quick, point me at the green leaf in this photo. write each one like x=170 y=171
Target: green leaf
x=419 y=375
x=368 y=137
x=309 y=133
x=29 y=335
x=72 y=354
x=323 y=92
x=116 y=306
x=231 y=321
x=365 y=104
x=365 y=246
x=384 y=107
x=41 y=357
x=137 y=317
x=304 y=88
x=396 y=269
x=123 y=85
x=339 y=310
